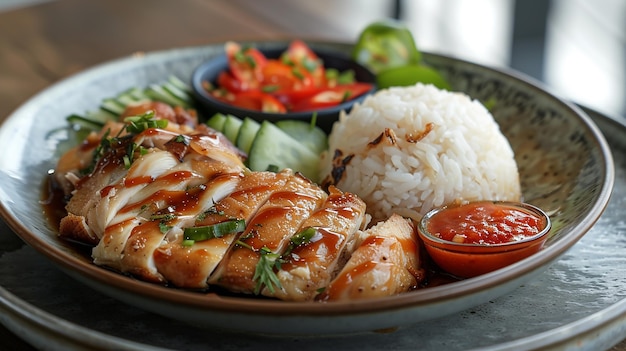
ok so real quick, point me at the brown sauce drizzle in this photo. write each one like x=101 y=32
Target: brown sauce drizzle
x=342 y=281
x=263 y=217
x=129 y=182
x=53 y=201
x=324 y=247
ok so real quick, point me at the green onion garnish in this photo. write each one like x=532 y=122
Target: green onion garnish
x=286 y=60
x=264 y=274
x=164 y=228
x=346 y=77
x=310 y=65
x=332 y=73
x=346 y=96
x=297 y=73
x=137 y=124
x=300 y=238
x=303 y=237
x=270 y=88
x=127 y=161
x=313 y=120
x=217 y=230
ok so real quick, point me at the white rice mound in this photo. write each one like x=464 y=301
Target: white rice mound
x=463 y=157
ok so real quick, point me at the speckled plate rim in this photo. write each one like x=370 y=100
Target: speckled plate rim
x=47 y=331
x=402 y=309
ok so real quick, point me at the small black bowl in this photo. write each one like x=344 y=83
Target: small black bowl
x=209 y=71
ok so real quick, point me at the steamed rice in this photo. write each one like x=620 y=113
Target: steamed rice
x=407 y=150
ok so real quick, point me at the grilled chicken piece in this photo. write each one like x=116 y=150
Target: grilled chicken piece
x=311 y=265
x=167 y=203
x=185 y=206
x=386 y=262
x=128 y=212
x=71 y=163
x=268 y=232
x=111 y=212
x=190 y=266
x=68 y=169
x=90 y=191
x=191 y=176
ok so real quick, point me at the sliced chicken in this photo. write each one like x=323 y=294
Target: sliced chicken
x=73 y=162
x=173 y=198
x=167 y=225
x=149 y=192
x=386 y=262
x=125 y=210
x=267 y=234
x=310 y=265
x=89 y=192
x=190 y=266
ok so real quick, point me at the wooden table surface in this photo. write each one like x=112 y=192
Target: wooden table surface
x=42 y=44
x=45 y=43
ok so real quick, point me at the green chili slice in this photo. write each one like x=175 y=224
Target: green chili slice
x=386 y=44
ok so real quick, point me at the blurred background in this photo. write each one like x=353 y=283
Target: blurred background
x=575 y=47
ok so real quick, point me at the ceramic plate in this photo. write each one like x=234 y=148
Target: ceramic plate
x=565 y=166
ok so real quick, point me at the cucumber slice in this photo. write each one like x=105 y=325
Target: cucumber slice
x=311 y=136
x=86 y=123
x=246 y=135
x=217 y=122
x=273 y=147
x=101 y=116
x=125 y=100
x=175 y=81
x=112 y=106
x=157 y=92
x=231 y=127
x=132 y=96
x=137 y=94
x=175 y=91
x=118 y=104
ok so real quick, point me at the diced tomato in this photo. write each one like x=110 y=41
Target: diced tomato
x=257 y=101
x=299 y=51
x=295 y=82
x=300 y=55
x=331 y=96
x=246 y=64
x=292 y=97
x=227 y=81
x=272 y=105
x=280 y=78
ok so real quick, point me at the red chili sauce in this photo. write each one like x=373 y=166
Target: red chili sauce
x=485 y=223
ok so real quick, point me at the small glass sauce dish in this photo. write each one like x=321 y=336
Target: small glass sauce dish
x=471 y=239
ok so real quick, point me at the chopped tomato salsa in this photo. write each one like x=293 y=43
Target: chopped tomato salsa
x=485 y=223
x=297 y=81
